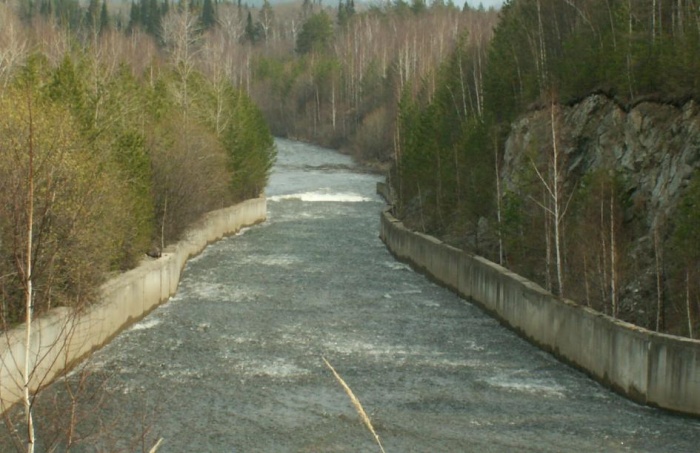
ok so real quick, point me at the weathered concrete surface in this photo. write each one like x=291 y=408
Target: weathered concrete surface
x=62 y=337
x=659 y=370
x=674 y=373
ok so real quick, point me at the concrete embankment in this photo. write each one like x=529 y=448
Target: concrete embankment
x=62 y=337
x=651 y=368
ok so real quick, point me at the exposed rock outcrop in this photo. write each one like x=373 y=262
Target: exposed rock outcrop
x=654 y=148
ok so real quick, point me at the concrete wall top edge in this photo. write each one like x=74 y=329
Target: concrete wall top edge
x=76 y=333
x=529 y=284
x=652 y=368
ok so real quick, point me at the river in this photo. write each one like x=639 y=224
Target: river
x=234 y=362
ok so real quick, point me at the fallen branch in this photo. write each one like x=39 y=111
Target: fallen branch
x=356 y=403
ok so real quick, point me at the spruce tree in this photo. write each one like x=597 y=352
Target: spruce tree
x=104 y=17
x=134 y=16
x=92 y=15
x=208 y=17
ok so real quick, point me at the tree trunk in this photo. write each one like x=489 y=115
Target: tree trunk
x=586 y=281
x=688 y=303
x=613 y=257
x=333 y=113
x=499 y=217
x=558 y=214
x=653 y=22
x=162 y=222
x=603 y=255
x=28 y=284
x=659 y=288
x=543 y=50
x=548 y=250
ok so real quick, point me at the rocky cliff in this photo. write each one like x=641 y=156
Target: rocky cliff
x=653 y=147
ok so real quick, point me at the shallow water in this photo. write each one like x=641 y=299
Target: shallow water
x=233 y=362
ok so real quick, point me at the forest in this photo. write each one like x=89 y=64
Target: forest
x=111 y=144
x=125 y=106
x=121 y=123
x=428 y=92
x=152 y=94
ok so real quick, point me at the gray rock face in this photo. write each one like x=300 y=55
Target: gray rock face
x=654 y=147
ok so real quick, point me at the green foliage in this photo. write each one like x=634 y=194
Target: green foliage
x=92 y=15
x=104 y=17
x=133 y=165
x=511 y=80
x=67 y=13
x=316 y=34
x=67 y=87
x=418 y=6
x=345 y=11
x=446 y=167
x=253 y=31
x=686 y=234
x=118 y=168
x=208 y=16
x=249 y=146
x=596 y=46
x=147 y=15
x=74 y=194
x=684 y=256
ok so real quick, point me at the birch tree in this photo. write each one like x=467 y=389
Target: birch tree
x=556 y=201
x=685 y=247
x=52 y=213
x=599 y=251
x=181 y=37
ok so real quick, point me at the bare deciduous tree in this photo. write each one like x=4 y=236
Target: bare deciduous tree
x=556 y=202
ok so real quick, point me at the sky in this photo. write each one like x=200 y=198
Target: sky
x=487 y=3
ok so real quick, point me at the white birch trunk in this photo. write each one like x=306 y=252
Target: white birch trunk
x=28 y=287
x=558 y=215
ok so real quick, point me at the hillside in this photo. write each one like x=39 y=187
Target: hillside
x=579 y=167
x=557 y=138
x=626 y=173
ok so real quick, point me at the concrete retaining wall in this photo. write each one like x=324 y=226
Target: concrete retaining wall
x=655 y=369
x=61 y=337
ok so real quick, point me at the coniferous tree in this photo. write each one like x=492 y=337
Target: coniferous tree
x=316 y=33
x=45 y=8
x=345 y=11
x=92 y=15
x=208 y=17
x=134 y=16
x=104 y=17
x=253 y=31
x=153 y=18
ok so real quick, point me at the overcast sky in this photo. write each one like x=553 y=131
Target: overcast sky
x=487 y=3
